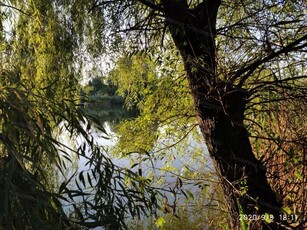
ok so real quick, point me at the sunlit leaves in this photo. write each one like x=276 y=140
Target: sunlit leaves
x=39 y=97
x=135 y=78
x=164 y=131
x=160 y=222
x=162 y=98
x=40 y=64
x=253 y=30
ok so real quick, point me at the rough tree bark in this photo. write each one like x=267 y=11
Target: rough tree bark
x=220 y=110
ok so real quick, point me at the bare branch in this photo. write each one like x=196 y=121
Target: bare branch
x=252 y=67
x=275 y=82
x=15 y=8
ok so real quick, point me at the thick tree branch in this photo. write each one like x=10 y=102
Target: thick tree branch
x=252 y=67
x=263 y=84
x=151 y=5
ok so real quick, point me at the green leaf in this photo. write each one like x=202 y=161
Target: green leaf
x=160 y=222
x=268 y=218
x=298 y=175
x=81 y=178
x=63 y=186
x=89 y=179
x=190 y=195
x=242 y=219
x=286 y=210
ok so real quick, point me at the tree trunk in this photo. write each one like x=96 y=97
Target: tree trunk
x=220 y=110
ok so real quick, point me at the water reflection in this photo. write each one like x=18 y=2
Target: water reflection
x=177 y=171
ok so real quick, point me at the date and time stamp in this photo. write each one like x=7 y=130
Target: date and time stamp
x=269 y=217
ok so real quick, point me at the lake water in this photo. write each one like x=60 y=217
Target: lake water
x=185 y=161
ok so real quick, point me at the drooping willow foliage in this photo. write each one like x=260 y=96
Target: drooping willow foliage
x=260 y=48
x=40 y=69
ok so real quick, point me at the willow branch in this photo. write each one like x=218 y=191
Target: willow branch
x=252 y=67
x=15 y=8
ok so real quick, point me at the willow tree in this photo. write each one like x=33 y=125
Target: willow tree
x=235 y=54
x=238 y=57
x=39 y=75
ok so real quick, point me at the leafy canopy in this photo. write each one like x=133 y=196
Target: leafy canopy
x=41 y=43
